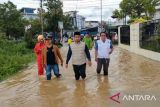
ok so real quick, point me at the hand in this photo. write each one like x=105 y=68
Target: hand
x=39 y=50
x=62 y=64
x=45 y=66
x=110 y=52
x=89 y=63
x=96 y=59
x=66 y=65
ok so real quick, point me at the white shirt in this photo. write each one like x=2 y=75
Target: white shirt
x=103 y=48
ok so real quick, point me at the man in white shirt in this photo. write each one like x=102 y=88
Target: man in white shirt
x=103 y=49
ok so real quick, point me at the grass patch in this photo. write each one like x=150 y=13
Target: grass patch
x=14 y=56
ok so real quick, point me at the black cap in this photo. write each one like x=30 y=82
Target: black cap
x=48 y=37
x=77 y=33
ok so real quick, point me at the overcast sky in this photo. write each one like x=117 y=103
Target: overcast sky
x=87 y=8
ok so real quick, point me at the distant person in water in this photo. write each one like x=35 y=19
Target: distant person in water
x=70 y=41
x=38 y=52
x=51 y=56
x=88 y=41
x=79 y=52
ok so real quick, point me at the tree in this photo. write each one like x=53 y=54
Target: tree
x=137 y=8
x=53 y=15
x=67 y=22
x=11 y=21
x=35 y=26
x=118 y=14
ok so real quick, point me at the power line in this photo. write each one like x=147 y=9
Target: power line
x=101 y=14
x=41 y=17
x=92 y=6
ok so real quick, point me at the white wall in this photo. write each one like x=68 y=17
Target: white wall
x=91 y=24
x=134 y=44
x=157 y=15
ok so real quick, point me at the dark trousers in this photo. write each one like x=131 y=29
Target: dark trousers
x=80 y=70
x=103 y=62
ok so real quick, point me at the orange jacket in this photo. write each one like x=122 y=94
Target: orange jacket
x=56 y=52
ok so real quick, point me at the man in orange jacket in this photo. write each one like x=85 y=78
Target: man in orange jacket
x=38 y=52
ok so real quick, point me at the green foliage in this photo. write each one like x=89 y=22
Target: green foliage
x=29 y=39
x=54 y=14
x=13 y=57
x=118 y=14
x=138 y=8
x=30 y=34
x=137 y=20
x=36 y=26
x=67 y=23
x=11 y=21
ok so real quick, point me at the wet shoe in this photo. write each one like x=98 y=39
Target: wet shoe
x=84 y=78
x=77 y=79
x=106 y=74
x=59 y=75
x=98 y=73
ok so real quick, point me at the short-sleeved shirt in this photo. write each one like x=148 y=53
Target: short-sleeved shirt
x=103 y=48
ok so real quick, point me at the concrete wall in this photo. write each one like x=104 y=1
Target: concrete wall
x=134 y=43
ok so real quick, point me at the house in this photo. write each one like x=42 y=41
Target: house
x=157 y=14
x=77 y=21
x=28 y=13
x=90 y=24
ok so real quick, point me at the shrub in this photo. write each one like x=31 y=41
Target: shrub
x=13 y=57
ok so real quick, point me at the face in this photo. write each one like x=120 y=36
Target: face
x=87 y=35
x=49 y=41
x=103 y=36
x=41 y=40
x=77 y=38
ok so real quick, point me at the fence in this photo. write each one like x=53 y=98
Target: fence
x=125 y=35
x=150 y=35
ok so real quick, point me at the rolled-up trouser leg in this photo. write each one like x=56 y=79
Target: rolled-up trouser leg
x=83 y=71
x=48 y=72
x=105 y=66
x=55 y=68
x=76 y=71
x=99 y=65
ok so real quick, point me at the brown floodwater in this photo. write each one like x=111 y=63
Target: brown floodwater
x=128 y=72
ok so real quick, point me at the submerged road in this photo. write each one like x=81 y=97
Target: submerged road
x=128 y=72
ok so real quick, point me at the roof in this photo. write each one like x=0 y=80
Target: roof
x=28 y=8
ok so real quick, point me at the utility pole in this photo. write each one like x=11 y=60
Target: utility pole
x=41 y=15
x=101 y=15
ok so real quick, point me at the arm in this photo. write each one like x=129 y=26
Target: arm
x=91 y=43
x=43 y=57
x=69 y=54
x=87 y=53
x=59 y=54
x=111 y=47
x=96 y=50
x=36 y=50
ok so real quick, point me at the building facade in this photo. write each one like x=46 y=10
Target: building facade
x=28 y=13
x=157 y=14
x=77 y=21
x=90 y=24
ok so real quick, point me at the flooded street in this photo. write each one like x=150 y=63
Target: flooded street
x=128 y=72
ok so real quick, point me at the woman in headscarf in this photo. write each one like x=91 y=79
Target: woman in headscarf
x=38 y=52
